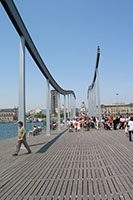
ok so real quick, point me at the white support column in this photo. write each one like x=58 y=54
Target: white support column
x=64 y=111
x=58 y=111
x=68 y=107
x=93 y=90
x=91 y=102
x=74 y=107
x=47 y=108
x=98 y=99
x=88 y=103
x=21 y=98
x=95 y=114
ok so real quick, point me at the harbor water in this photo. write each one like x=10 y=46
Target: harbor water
x=9 y=130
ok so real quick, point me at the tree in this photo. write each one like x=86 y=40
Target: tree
x=15 y=118
x=62 y=115
x=40 y=115
x=77 y=113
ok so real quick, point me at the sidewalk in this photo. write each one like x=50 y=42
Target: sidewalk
x=8 y=147
x=94 y=165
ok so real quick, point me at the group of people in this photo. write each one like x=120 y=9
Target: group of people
x=119 y=122
x=83 y=122
x=114 y=122
x=35 y=131
x=108 y=123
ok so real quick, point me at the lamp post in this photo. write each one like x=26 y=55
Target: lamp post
x=117 y=94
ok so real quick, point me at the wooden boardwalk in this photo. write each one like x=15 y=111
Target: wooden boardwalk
x=95 y=165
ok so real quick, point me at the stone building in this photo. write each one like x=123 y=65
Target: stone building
x=8 y=115
x=117 y=109
x=83 y=108
x=35 y=111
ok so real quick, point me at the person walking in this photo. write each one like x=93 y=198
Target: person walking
x=130 y=125
x=21 y=139
x=111 y=122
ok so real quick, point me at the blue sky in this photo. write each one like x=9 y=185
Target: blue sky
x=67 y=34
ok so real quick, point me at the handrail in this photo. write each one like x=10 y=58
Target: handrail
x=18 y=23
x=96 y=68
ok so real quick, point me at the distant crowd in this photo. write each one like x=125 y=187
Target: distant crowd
x=108 y=123
x=85 y=123
x=119 y=122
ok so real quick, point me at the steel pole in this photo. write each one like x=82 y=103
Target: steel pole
x=91 y=102
x=47 y=108
x=95 y=101
x=98 y=99
x=74 y=107
x=68 y=107
x=21 y=98
x=88 y=104
x=58 y=111
x=64 y=111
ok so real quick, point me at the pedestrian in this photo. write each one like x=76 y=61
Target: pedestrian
x=111 y=122
x=97 y=123
x=130 y=125
x=21 y=139
x=76 y=126
x=115 y=123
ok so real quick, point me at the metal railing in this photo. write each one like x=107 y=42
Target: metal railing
x=93 y=94
x=26 y=41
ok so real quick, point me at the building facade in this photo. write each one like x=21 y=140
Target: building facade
x=8 y=115
x=117 y=109
x=83 y=108
x=35 y=111
x=54 y=102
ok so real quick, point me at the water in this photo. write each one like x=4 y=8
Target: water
x=7 y=130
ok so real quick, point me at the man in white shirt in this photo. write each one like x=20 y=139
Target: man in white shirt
x=130 y=125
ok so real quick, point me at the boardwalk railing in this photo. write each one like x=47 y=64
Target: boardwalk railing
x=26 y=41
x=93 y=94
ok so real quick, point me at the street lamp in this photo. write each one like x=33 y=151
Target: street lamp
x=117 y=94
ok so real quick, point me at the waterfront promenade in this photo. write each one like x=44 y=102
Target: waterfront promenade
x=95 y=165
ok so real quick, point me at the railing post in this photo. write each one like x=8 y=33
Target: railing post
x=68 y=107
x=58 y=111
x=91 y=102
x=21 y=98
x=88 y=103
x=74 y=107
x=64 y=111
x=98 y=99
x=95 y=101
x=47 y=108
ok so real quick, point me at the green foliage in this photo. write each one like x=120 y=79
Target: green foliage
x=15 y=118
x=40 y=115
x=62 y=115
x=77 y=113
x=28 y=116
